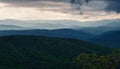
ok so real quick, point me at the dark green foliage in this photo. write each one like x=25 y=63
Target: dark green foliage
x=92 y=61
x=37 y=52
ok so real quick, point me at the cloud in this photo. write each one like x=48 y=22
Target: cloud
x=63 y=6
x=59 y=9
x=26 y=3
x=17 y=0
x=112 y=5
x=39 y=4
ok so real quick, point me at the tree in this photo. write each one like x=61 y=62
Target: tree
x=84 y=61
x=92 y=61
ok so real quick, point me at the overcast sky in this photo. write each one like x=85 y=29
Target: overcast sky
x=92 y=10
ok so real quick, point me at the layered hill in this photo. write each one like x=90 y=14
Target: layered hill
x=111 y=38
x=64 y=33
x=11 y=27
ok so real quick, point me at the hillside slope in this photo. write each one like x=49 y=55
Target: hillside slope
x=37 y=52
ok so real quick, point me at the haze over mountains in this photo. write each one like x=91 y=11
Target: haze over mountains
x=93 y=31
x=111 y=38
x=63 y=33
x=89 y=27
x=58 y=24
x=11 y=27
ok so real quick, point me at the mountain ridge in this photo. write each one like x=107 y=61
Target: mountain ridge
x=64 y=33
x=111 y=38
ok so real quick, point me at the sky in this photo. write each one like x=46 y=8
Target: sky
x=82 y=10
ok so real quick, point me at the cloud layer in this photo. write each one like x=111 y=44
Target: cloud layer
x=80 y=10
x=112 y=5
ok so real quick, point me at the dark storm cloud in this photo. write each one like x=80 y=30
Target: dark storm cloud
x=112 y=5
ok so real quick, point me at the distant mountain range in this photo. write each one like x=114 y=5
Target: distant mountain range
x=98 y=30
x=90 y=30
x=54 y=44
x=11 y=27
x=101 y=32
x=63 y=33
x=60 y=24
x=111 y=38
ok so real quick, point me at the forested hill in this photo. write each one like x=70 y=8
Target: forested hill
x=35 y=52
